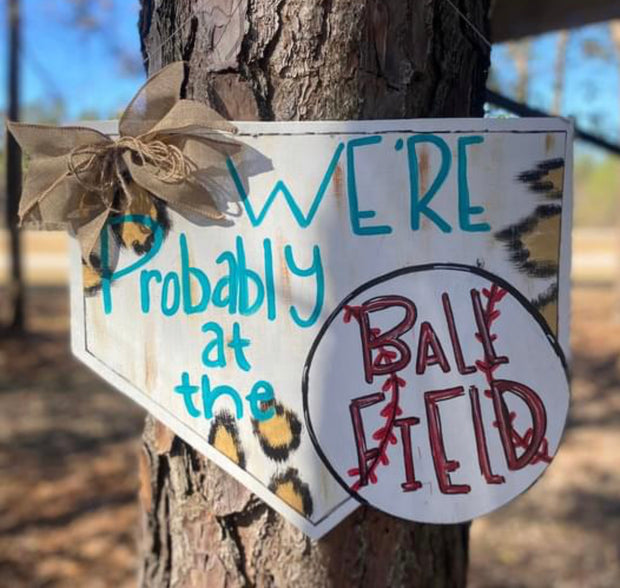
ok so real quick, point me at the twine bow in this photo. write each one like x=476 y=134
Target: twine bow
x=78 y=177
x=106 y=162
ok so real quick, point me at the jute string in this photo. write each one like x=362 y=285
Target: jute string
x=106 y=161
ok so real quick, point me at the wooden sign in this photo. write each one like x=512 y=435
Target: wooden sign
x=381 y=318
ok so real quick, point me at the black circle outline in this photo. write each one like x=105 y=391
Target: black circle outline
x=413 y=269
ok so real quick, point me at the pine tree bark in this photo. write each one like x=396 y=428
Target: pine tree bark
x=301 y=60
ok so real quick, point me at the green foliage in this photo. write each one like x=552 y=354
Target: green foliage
x=597 y=191
x=49 y=112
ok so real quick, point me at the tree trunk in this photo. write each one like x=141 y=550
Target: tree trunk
x=559 y=73
x=291 y=60
x=614 y=29
x=15 y=296
x=521 y=54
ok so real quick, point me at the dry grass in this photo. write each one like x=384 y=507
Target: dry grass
x=68 y=465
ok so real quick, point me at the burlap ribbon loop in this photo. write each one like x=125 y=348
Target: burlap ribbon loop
x=78 y=177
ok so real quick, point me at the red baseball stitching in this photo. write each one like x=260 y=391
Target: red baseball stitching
x=393 y=384
x=491 y=314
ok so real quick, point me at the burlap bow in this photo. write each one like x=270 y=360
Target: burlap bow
x=78 y=177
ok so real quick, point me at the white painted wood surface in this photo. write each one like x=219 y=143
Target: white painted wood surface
x=144 y=354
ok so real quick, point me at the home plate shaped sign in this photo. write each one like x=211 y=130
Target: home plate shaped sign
x=381 y=317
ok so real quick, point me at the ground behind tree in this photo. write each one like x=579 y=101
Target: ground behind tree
x=68 y=468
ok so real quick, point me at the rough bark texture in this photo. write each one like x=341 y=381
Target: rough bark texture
x=286 y=60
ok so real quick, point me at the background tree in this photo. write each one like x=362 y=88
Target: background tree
x=15 y=296
x=614 y=29
x=301 y=60
x=521 y=53
x=559 y=74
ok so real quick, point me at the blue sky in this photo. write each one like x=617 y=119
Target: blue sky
x=592 y=89
x=81 y=68
x=78 y=65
